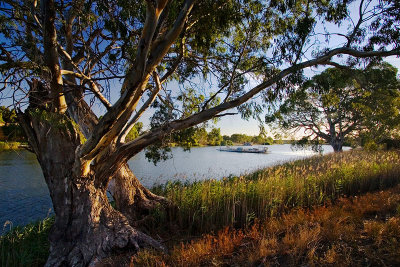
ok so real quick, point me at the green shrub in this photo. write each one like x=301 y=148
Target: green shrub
x=9 y=145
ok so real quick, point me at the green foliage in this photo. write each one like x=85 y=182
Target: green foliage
x=158 y=152
x=214 y=138
x=239 y=139
x=370 y=145
x=226 y=143
x=381 y=103
x=189 y=137
x=9 y=129
x=26 y=246
x=201 y=136
x=135 y=131
x=7 y=116
x=269 y=140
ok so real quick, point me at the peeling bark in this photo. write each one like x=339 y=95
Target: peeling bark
x=86 y=227
x=131 y=198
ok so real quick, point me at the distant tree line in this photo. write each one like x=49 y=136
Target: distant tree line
x=9 y=129
x=201 y=137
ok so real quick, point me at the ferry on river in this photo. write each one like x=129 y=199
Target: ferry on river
x=262 y=150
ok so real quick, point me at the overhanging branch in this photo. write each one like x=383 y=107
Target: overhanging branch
x=129 y=149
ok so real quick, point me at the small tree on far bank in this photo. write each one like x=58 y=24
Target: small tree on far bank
x=7 y=116
x=340 y=103
x=214 y=137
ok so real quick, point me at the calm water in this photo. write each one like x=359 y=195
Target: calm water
x=24 y=196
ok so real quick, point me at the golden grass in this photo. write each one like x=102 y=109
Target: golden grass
x=355 y=231
x=211 y=205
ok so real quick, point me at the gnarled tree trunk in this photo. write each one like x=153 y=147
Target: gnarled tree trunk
x=337 y=144
x=86 y=228
x=131 y=198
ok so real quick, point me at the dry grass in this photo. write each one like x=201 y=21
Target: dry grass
x=212 y=205
x=355 y=231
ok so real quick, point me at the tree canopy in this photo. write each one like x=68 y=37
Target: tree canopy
x=7 y=116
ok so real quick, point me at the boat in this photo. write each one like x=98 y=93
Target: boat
x=262 y=150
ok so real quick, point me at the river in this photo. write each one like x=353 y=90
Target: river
x=24 y=196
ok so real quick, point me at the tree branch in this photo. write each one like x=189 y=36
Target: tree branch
x=146 y=105
x=93 y=86
x=226 y=114
x=51 y=55
x=113 y=122
x=160 y=47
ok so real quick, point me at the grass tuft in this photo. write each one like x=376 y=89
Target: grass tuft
x=26 y=246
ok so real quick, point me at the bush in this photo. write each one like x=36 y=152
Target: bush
x=13 y=132
x=26 y=246
x=9 y=145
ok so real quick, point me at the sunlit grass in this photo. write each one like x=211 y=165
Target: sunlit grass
x=355 y=231
x=236 y=201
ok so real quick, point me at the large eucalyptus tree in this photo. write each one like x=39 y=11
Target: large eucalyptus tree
x=56 y=55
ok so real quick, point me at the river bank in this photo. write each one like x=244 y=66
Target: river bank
x=24 y=196
x=259 y=201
